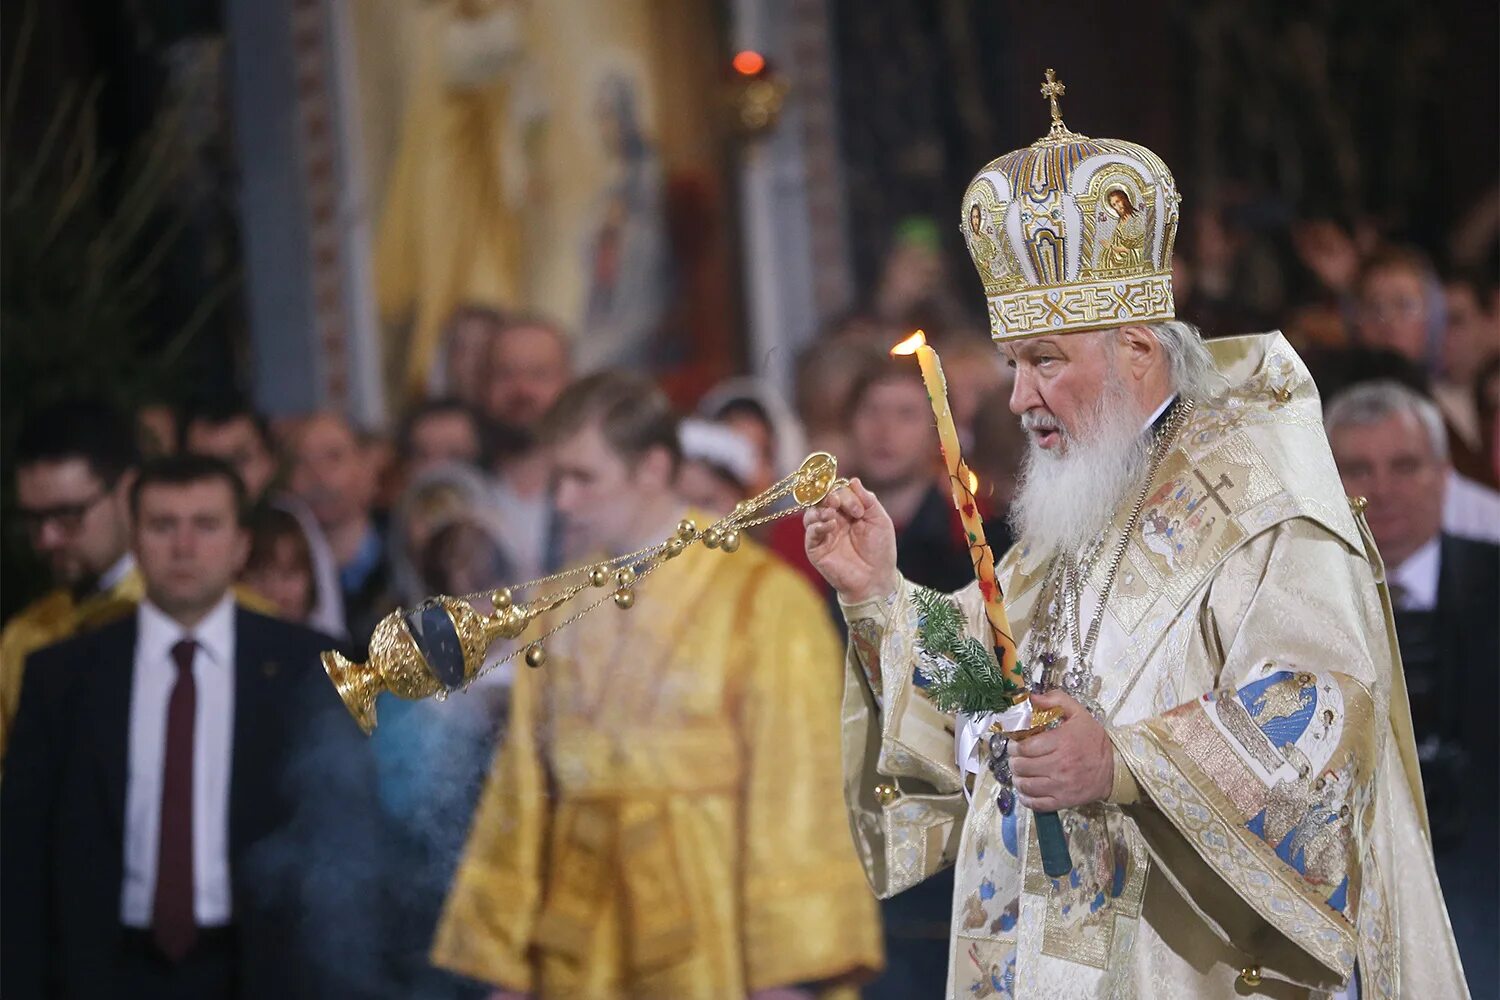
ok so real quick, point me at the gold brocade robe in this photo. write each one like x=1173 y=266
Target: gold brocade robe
x=51 y=619
x=1266 y=831
x=663 y=820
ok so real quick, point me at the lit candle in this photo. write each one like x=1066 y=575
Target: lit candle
x=964 y=485
x=1051 y=838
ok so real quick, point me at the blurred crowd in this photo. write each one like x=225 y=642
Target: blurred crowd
x=347 y=523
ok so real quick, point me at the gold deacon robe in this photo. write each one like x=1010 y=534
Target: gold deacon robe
x=1266 y=831
x=50 y=619
x=663 y=820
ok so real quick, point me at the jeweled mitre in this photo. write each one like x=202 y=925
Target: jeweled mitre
x=1072 y=233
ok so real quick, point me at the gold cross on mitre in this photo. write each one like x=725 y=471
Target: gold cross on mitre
x=1052 y=89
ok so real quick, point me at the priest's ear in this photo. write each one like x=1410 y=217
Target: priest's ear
x=1140 y=353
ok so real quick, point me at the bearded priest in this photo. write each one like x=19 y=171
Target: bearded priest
x=1235 y=769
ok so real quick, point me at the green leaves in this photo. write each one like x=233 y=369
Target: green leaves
x=963 y=674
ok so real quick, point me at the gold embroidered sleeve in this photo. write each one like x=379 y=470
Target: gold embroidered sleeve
x=40 y=624
x=489 y=918
x=808 y=915
x=1124 y=790
x=1258 y=796
x=901 y=782
x=866 y=621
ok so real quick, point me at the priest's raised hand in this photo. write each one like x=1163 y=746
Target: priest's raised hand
x=852 y=542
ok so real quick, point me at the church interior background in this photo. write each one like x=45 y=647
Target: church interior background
x=292 y=193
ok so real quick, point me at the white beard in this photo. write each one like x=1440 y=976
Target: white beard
x=1067 y=496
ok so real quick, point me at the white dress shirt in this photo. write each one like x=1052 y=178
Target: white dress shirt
x=1470 y=509
x=213 y=741
x=119 y=571
x=1417 y=578
x=526 y=520
x=1159 y=411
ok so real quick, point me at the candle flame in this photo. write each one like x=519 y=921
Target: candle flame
x=910 y=345
x=973 y=482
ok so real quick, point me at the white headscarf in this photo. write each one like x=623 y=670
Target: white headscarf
x=786 y=430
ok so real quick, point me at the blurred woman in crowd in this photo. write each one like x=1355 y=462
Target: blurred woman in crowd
x=1402 y=308
x=757 y=411
x=464 y=556
x=432 y=500
x=280 y=564
x=717 y=464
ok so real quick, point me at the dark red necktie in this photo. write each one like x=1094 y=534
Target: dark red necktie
x=173 y=925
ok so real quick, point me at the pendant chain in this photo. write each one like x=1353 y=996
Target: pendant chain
x=1066 y=577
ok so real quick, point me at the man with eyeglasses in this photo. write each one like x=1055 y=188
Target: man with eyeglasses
x=74 y=466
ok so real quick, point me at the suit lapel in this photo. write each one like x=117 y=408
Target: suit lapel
x=255 y=671
x=112 y=707
x=1449 y=578
x=1452 y=653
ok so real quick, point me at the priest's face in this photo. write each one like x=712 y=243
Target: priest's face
x=1058 y=384
x=1086 y=447
x=608 y=500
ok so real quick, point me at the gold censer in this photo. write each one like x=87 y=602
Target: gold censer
x=440 y=646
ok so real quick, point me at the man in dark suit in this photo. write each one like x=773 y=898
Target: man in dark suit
x=1391 y=449
x=187 y=811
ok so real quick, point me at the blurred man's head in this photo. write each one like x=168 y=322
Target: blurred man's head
x=615 y=451
x=825 y=374
x=466 y=350
x=1392 y=449
x=1084 y=400
x=974 y=370
x=1472 y=336
x=190 y=538
x=530 y=363
x=913 y=272
x=156 y=428
x=999 y=449
x=442 y=432
x=234 y=433
x=330 y=470
x=891 y=430
x=74 y=465
x=1400 y=306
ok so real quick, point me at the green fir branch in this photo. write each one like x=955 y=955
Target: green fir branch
x=968 y=678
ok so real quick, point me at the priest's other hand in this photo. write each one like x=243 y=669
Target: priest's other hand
x=852 y=542
x=1066 y=767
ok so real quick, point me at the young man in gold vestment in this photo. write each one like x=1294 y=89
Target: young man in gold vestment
x=663 y=820
x=74 y=467
x=1234 y=769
